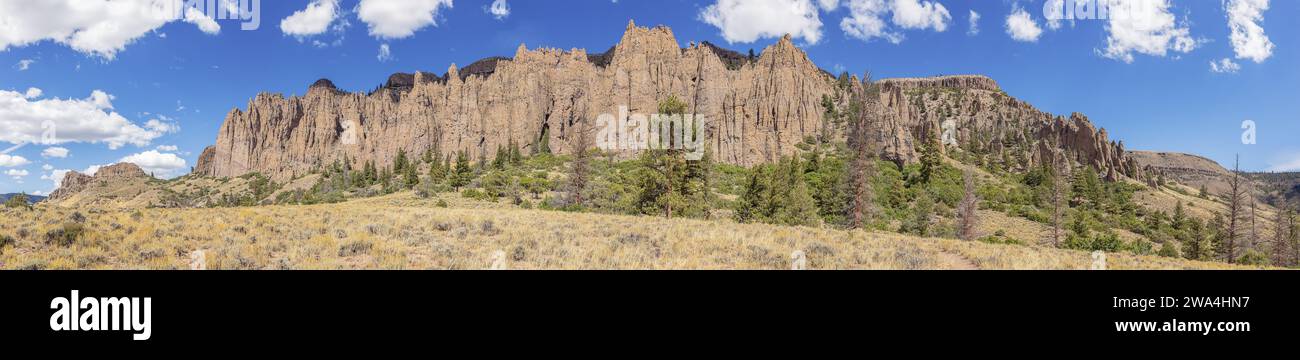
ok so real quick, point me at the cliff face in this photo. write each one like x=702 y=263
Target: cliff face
x=74 y=182
x=1191 y=170
x=755 y=113
x=756 y=110
x=991 y=127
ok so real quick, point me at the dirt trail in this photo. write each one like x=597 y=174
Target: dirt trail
x=951 y=261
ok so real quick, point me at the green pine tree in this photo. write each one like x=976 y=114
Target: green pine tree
x=753 y=201
x=931 y=160
x=463 y=173
x=516 y=157
x=799 y=208
x=501 y=158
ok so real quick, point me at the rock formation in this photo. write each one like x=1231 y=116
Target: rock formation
x=1191 y=170
x=75 y=182
x=757 y=109
x=991 y=125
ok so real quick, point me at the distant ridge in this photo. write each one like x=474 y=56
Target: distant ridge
x=31 y=199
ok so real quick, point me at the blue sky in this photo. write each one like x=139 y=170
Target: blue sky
x=186 y=79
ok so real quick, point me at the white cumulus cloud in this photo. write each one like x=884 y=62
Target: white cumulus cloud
x=746 y=21
x=915 y=14
x=98 y=27
x=58 y=121
x=7 y=160
x=164 y=165
x=1225 y=66
x=55 y=152
x=1248 y=38
x=974 y=24
x=33 y=93
x=16 y=173
x=866 y=19
x=203 y=21
x=396 y=19
x=313 y=20
x=1022 y=27
x=1145 y=27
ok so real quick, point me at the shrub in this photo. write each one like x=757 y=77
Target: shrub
x=489 y=228
x=441 y=203
x=1000 y=239
x=1253 y=257
x=477 y=194
x=66 y=235
x=5 y=240
x=354 y=248
x=1169 y=250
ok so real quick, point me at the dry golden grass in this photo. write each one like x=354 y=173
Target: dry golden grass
x=404 y=232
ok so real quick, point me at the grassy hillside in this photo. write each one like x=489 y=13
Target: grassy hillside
x=404 y=231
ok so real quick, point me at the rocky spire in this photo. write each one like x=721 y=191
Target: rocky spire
x=521 y=51
x=453 y=74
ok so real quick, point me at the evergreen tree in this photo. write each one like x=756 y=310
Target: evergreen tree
x=931 y=160
x=371 y=174
x=1087 y=188
x=410 y=177
x=544 y=143
x=1179 y=217
x=1197 y=245
x=436 y=163
x=920 y=221
x=516 y=157
x=665 y=184
x=797 y=205
x=698 y=182
x=1217 y=234
x=437 y=172
x=1060 y=195
x=501 y=159
x=346 y=171
x=753 y=202
x=463 y=173
x=400 y=162
x=386 y=179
